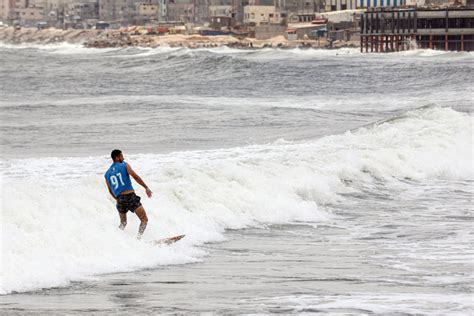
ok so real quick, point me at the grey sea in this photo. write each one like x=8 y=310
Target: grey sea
x=305 y=181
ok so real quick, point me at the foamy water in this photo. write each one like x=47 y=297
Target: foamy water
x=324 y=145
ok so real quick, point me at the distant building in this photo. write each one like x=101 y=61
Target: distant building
x=261 y=2
x=23 y=12
x=221 y=16
x=29 y=16
x=123 y=12
x=221 y=13
x=401 y=29
x=218 y=8
x=180 y=11
x=338 y=5
x=147 y=12
x=381 y=3
x=263 y=14
x=201 y=11
x=78 y=11
x=6 y=7
x=162 y=10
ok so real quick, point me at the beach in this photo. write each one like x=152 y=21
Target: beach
x=305 y=180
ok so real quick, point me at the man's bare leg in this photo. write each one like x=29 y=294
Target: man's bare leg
x=123 y=220
x=143 y=221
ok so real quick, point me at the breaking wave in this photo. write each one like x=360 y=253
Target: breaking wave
x=59 y=225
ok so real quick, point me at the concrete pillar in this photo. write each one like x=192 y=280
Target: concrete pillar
x=462 y=42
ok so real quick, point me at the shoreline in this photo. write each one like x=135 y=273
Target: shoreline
x=115 y=38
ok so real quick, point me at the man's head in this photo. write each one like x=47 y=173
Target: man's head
x=117 y=155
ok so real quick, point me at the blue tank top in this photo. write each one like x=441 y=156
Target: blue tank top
x=118 y=178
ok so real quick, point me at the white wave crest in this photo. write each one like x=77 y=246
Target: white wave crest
x=58 y=224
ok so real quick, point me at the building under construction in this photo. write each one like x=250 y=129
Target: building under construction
x=389 y=30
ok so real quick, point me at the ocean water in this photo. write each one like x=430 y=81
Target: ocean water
x=306 y=181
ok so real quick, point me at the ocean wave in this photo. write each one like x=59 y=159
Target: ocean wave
x=59 y=225
x=65 y=48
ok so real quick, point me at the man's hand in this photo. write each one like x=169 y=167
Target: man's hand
x=148 y=192
x=139 y=180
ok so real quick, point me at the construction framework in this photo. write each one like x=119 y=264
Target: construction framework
x=390 y=30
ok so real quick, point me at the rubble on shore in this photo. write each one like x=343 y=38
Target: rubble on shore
x=115 y=38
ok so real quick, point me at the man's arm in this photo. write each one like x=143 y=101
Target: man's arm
x=139 y=180
x=110 y=190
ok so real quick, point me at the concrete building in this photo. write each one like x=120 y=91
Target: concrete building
x=262 y=2
x=120 y=12
x=263 y=14
x=162 y=9
x=181 y=11
x=402 y=29
x=218 y=8
x=29 y=16
x=338 y=5
x=381 y=3
x=415 y=3
x=79 y=11
x=147 y=12
x=201 y=11
x=266 y=31
x=9 y=9
x=23 y=12
x=6 y=11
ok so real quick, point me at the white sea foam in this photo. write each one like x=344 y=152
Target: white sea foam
x=59 y=225
x=378 y=303
x=64 y=48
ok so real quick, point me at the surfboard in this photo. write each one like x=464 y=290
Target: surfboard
x=169 y=240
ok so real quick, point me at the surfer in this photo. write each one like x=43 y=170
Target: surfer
x=120 y=187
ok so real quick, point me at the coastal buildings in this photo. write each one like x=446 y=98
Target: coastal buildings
x=6 y=7
x=119 y=11
x=258 y=14
x=23 y=11
x=389 y=30
x=385 y=25
x=369 y=4
x=180 y=11
x=338 y=5
x=81 y=12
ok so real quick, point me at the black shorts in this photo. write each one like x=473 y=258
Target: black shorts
x=128 y=202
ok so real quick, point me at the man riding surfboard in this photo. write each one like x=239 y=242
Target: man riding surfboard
x=120 y=187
